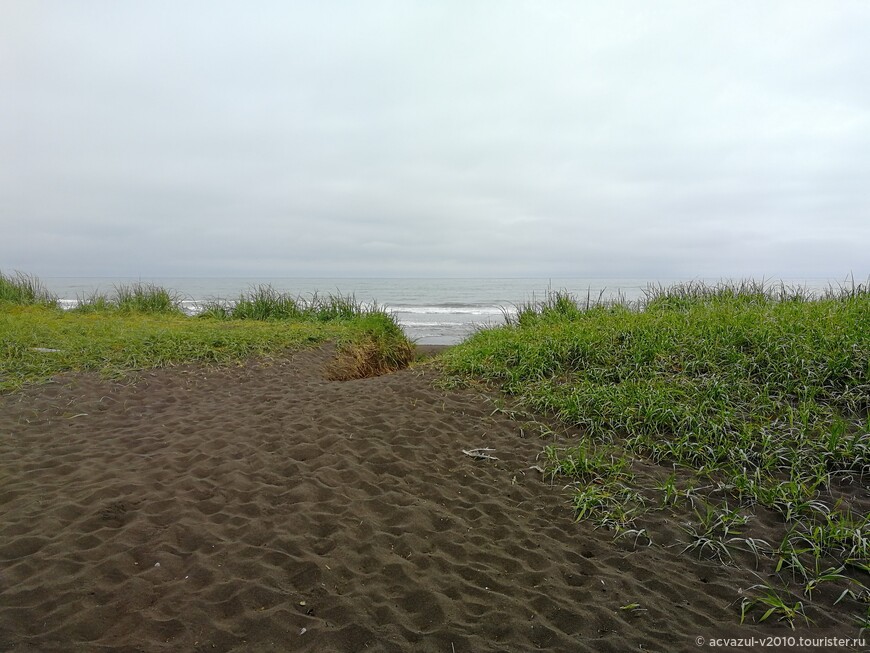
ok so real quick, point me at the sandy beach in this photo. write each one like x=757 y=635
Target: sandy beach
x=266 y=508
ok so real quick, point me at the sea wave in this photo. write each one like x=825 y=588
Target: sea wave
x=447 y=309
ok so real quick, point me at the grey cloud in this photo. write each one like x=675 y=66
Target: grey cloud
x=424 y=139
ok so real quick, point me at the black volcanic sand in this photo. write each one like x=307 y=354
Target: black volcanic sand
x=264 y=508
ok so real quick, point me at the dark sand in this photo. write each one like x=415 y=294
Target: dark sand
x=264 y=508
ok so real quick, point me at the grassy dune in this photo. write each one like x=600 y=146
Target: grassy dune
x=142 y=326
x=747 y=400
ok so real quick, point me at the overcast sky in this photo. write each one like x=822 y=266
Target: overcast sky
x=564 y=139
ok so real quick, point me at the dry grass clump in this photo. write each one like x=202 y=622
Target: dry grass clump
x=367 y=359
x=381 y=349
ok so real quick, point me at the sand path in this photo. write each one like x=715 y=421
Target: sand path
x=265 y=508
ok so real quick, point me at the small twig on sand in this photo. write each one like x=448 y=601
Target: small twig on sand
x=479 y=453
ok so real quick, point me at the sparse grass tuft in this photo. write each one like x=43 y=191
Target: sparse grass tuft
x=775 y=606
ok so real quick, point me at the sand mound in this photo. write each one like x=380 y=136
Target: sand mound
x=265 y=508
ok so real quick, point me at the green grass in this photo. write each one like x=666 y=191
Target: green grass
x=759 y=394
x=142 y=326
x=147 y=298
x=773 y=393
x=131 y=298
x=265 y=303
x=773 y=605
x=24 y=290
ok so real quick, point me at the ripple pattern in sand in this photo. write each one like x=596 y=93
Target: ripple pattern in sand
x=264 y=508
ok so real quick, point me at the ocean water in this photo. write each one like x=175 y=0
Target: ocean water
x=431 y=311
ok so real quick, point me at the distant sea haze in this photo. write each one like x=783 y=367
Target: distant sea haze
x=431 y=311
